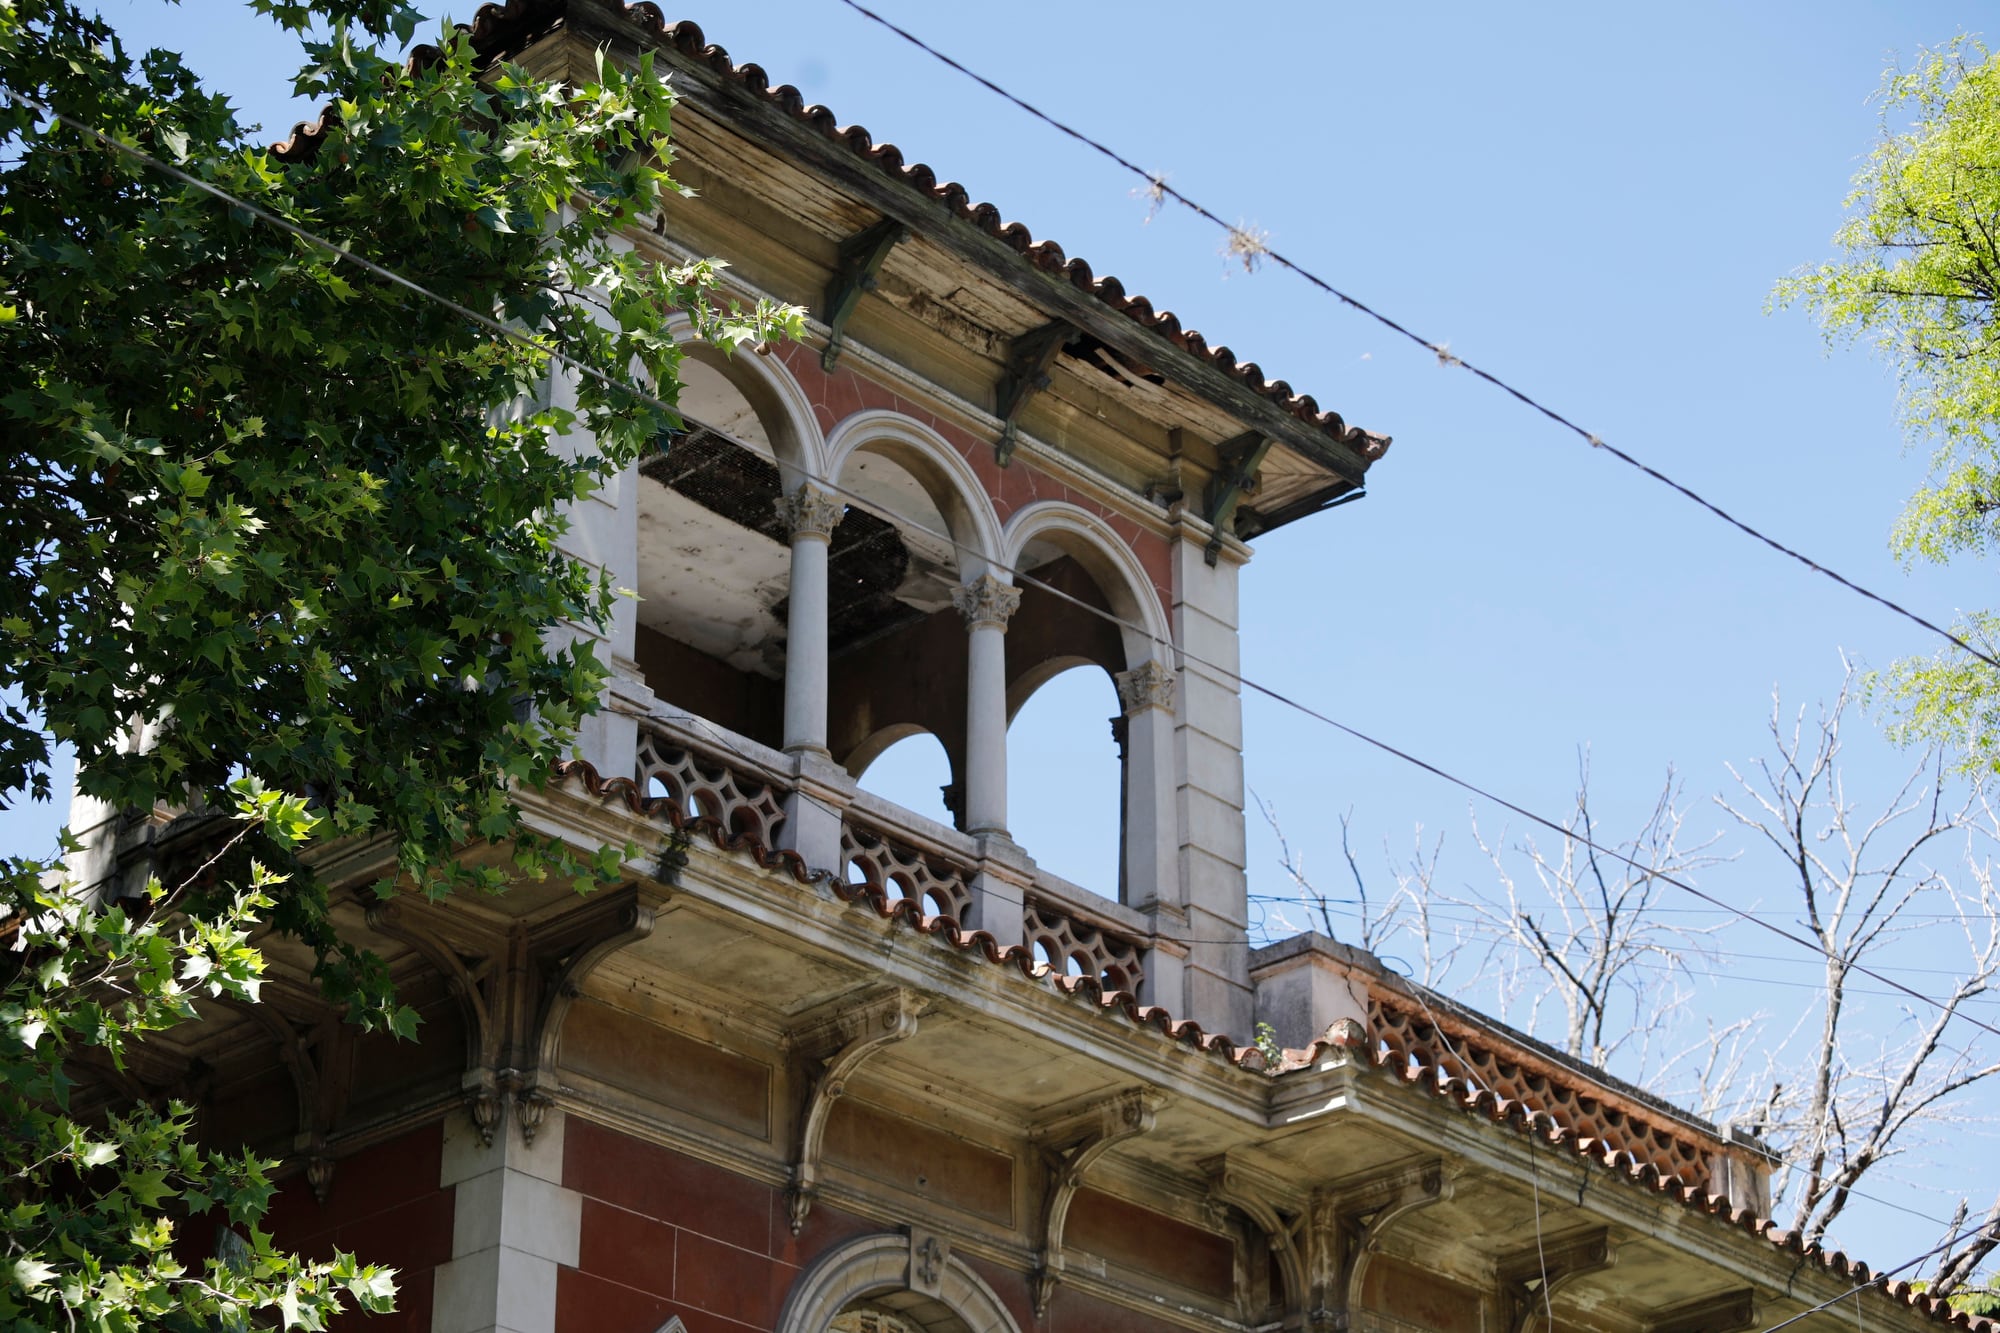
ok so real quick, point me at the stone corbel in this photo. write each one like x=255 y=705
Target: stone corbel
x=826 y=1048
x=1727 y=1313
x=467 y=979
x=1070 y=1145
x=1350 y=1224
x=630 y=921
x=1530 y=1275
x=1252 y=1193
x=314 y=1057
x=515 y=988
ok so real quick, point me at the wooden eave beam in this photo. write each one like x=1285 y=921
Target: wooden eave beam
x=854 y=272
x=1251 y=521
x=927 y=218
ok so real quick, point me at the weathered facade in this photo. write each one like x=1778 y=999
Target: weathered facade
x=823 y=1063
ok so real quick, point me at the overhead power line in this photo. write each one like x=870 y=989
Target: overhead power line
x=867 y=505
x=1256 y=246
x=854 y=498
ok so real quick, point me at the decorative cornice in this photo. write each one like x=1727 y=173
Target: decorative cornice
x=1148 y=685
x=810 y=512
x=986 y=601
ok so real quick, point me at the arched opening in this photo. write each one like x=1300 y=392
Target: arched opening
x=1066 y=747
x=896 y=644
x=713 y=556
x=1065 y=778
x=875 y=1278
x=909 y=766
x=871 y=1319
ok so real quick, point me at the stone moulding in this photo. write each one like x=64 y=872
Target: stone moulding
x=1337 y=1046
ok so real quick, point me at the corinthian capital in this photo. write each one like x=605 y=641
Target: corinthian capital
x=985 y=601
x=1148 y=685
x=810 y=512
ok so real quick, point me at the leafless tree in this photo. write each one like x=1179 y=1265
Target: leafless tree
x=1574 y=943
x=1574 y=927
x=1865 y=1092
x=1401 y=913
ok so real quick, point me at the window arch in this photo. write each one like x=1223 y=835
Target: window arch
x=712 y=559
x=911 y=766
x=917 y=1280
x=870 y=1319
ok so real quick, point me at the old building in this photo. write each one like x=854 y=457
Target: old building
x=824 y=1063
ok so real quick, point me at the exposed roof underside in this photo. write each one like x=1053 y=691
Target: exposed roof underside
x=1141 y=346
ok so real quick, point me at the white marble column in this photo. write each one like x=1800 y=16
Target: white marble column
x=986 y=603
x=811 y=514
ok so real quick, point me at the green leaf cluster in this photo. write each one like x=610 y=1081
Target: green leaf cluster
x=282 y=540
x=1917 y=277
x=93 y=1210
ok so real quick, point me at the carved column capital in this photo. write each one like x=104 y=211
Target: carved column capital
x=810 y=511
x=986 y=601
x=1148 y=685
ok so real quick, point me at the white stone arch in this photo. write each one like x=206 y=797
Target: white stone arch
x=782 y=406
x=1149 y=857
x=1096 y=546
x=940 y=469
x=878 y=742
x=953 y=1300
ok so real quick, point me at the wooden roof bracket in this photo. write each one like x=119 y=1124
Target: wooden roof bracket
x=316 y=1054
x=826 y=1049
x=1235 y=476
x=1070 y=1145
x=1530 y=1276
x=860 y=260
x=1029 y=361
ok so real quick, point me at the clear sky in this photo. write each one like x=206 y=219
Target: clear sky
x=1592 y=200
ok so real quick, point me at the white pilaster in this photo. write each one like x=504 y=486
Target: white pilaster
x=1152 y=877
x=1208 y=758
x=513 y=1225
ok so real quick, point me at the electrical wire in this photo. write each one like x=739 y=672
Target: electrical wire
x=1497 y=931
x=1254 y=245
x=1877 y=1279
x=560 y=357
x=557 y=355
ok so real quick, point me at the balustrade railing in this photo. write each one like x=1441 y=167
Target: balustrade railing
x=892 y=867
x=1073 y=946
x=708 y=773
x=1409 y=1032
x=712 y=777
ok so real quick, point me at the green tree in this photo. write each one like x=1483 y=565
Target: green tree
x=1917 y=276
x=281 y=545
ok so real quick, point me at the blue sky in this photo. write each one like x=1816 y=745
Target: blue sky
x=1593 y=201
